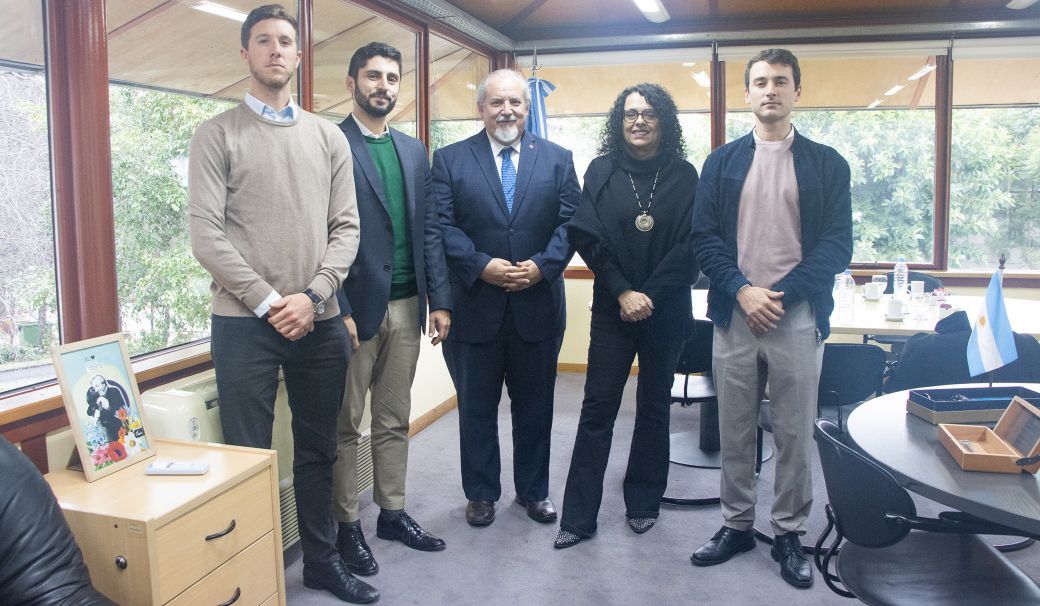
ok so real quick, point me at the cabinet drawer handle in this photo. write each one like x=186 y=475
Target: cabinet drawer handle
x=217 y=535
x=234 y=598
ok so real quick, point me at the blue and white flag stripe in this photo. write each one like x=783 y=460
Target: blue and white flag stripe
x=992 y=344
x=537 y=121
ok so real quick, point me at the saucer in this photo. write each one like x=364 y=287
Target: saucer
x=866 y=298
x=894 y=318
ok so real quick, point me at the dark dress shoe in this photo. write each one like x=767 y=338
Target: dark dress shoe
x=641 y=525
x=354 y=550
x=726 y=543
x=565 y=539
x=334 y=578
x=794 y=567
x=403 y=528
x=539 y=511
x=480 y=513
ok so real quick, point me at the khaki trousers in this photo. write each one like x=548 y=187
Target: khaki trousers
x=385 y=366
x=789 y=359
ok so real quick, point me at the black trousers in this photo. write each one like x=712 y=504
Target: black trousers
x=529 y=371
x=613 y=344
x=247 y=353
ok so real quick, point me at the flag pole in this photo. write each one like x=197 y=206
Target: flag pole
x=1000 y=267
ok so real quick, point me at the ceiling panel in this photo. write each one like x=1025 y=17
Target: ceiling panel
x=552 y=19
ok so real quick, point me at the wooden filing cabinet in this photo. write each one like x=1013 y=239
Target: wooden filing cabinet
x=181 y=540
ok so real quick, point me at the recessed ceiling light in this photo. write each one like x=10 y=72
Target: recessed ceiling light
x=876 y=103
x=1020 y=4
x=701 y=78
x=689 y=64
x=220 y=10
x=922 y=72
x=895 y=89
x=653 y=10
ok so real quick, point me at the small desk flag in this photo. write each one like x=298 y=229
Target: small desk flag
x=992 y=343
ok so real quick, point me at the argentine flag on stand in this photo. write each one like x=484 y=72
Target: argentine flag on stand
x=992 y=344
x=536 y=122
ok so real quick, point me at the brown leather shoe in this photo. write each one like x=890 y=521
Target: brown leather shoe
x=480 y=513
x=539 y=511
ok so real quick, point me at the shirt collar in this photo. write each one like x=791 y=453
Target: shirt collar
x=368 y=133
x=496 y=147
x=288 y=114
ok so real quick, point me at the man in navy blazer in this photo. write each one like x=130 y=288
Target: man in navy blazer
x=399 y=266
x=504 y=196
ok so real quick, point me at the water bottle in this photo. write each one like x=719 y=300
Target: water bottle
x=846 y=295
x=900 y=279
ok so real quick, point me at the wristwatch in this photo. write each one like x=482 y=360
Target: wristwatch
x=319 y=303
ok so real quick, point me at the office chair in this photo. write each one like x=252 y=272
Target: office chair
x=851 y=373
x=693 y=384
x=882 y=562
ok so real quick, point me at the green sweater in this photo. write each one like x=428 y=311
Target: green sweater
x=384 y=155
x=271 y=208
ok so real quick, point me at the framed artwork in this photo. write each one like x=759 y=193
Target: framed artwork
x=103 y=404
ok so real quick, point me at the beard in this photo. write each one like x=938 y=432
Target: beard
x=506 y=132
x=373 y=110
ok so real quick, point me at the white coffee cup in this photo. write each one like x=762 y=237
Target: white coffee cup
x=917 y=287
x=895 y=310
x=872 y=290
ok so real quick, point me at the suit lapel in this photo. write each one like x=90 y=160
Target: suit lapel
x=481 y=149
x=528 y=156
x=359 y=148
x=407 y=166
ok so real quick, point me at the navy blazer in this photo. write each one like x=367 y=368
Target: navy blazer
x=366 y=290
x=478 y=227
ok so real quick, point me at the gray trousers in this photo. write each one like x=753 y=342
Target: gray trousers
x=384 y=365
x=788 y=358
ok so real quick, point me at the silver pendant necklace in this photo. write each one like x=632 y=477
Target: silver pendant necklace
x=644 y=222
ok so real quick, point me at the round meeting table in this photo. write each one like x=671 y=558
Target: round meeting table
x=909 y=448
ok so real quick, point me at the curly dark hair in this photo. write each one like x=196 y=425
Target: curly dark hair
x=612 y=137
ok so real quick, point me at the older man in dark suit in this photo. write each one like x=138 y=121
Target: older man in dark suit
x=504 y=196
x=400 y=264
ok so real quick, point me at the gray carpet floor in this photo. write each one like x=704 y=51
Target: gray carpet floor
x=513 y=560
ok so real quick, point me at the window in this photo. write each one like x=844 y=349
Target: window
x=340 y=28
x=875 y=104
x=157 y=100
x=995 y=169
x=455 y=73
x=28 y=293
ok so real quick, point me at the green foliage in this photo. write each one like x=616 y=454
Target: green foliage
x=163 y=297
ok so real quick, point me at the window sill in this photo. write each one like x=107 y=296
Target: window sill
x=150 y=370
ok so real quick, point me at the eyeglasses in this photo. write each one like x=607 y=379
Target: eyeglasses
x=649 y=116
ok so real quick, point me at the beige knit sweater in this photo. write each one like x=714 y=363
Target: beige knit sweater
x=272 y=208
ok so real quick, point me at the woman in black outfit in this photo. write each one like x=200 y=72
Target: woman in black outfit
x=633 y=229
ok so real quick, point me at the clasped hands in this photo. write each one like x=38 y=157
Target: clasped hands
x=635 y=306
x=762 y=308
x=292 y=316
x=510 y=277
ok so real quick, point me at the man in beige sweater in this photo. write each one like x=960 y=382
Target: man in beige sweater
x=274 y=220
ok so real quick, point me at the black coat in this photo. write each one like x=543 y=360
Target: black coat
x=941 y=359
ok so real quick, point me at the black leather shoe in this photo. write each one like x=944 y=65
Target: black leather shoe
x=335 y=579
x=403 y=528
x=726 y=543
x=794 y=567
x=354 y=550
x=480 y=513
x=539 y=511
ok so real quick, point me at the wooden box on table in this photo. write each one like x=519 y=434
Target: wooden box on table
x=1016 y=436
x=181 y=540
